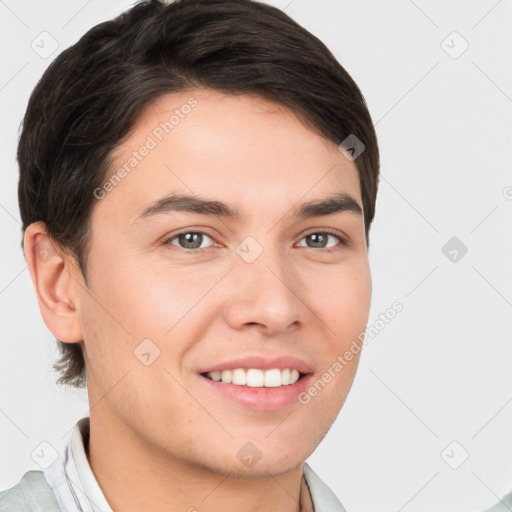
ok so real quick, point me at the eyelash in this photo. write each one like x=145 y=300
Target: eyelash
x=327 y=231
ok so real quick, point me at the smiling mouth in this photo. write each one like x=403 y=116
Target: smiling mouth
x=255 y=377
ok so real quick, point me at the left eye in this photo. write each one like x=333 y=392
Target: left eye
x=319 y=239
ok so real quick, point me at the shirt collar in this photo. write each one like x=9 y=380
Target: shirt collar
x=78 y=445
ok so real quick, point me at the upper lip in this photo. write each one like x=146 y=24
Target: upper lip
x=261 y=362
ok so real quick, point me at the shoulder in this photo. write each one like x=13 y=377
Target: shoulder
x=504 y=505
x=31 y=493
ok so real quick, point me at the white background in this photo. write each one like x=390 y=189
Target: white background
x=440 y=371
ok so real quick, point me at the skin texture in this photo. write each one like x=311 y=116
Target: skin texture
x=160 y=438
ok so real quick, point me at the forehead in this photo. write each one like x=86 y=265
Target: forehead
x=247 y=151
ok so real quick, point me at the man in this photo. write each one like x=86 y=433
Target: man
x=197 y=185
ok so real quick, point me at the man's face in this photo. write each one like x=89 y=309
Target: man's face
x=269 y=284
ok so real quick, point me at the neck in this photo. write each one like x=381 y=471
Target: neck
x=135 y=476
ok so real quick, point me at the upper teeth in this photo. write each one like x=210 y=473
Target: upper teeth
x=256 y=378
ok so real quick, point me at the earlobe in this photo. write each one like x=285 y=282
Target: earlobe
x=51 y=271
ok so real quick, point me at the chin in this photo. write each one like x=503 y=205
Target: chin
x=273 y=467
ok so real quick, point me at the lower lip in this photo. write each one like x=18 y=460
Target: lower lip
x=261 y=399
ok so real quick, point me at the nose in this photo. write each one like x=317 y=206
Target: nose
x=266 y=294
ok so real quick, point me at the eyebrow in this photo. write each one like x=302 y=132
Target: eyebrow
x=336 y=203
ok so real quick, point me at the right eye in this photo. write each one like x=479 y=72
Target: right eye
x=190 y=241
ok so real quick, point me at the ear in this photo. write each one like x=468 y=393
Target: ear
x=54 y=276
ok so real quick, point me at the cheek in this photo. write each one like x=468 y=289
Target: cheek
x=122 y=308
x=342 y=298
x=137 y=302
x=106 y=343
x=139 y=298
